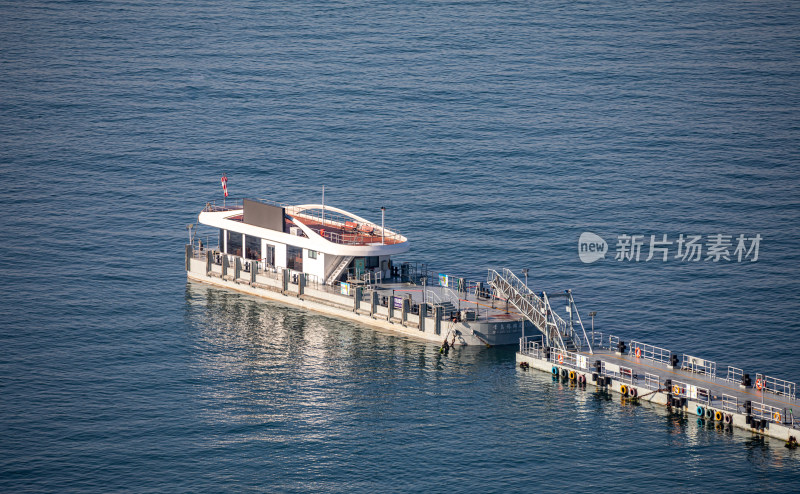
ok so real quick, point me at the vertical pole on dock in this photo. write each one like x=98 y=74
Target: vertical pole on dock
x=253 y=271
x=237 y=268
x=285 y=283
x=390 y=307
x=357 y=299
x=404 y=313
x=423 y=311
x=301 y=284
x=437 y=319
x=208 y=262
x=224 y=266
x=373 y=306
x=189 y=255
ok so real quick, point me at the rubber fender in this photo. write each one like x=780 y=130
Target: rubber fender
x=623 y=389
x=563 y=372
x=572 y=375
x=555 y=370
x=582 y=379
x=709 y=413
x=717 y=415
x=701 y=411
x=632 y=392
x=728 y=418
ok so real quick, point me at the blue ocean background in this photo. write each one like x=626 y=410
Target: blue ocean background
x=494 y=133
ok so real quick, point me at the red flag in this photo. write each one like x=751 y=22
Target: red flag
x=225 y=184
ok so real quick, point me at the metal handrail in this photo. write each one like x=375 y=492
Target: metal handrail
x=525 y=301
x=763 y=411
x=734 y=375
x=778 y=386
x=730 y=403
x=698 y=365
x=650 y=352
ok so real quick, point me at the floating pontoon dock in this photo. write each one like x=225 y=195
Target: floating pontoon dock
x=639 y=371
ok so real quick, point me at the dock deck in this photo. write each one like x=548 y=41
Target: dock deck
x=692 y=386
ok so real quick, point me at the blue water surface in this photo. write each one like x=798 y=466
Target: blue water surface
x=494 y=133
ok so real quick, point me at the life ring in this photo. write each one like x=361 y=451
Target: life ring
x=777 y=417
x=717 y=415
x=638 y=352
x=701 y=411
x=623 y=389
x=571 y=375
x=728 y=419
x=676 y=389
x=632 y=392
x=560 y=358
x=759 y=384
x=554 y=370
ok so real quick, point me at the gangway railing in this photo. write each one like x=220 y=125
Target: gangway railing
x=528 y=303
x=433 y=296
x=650 y=352
x=777 y=386
x=554 y=323
x=574 y=316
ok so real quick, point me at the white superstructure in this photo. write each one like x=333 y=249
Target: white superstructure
x=324 y=243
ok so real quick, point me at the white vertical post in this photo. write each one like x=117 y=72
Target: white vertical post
x=323 y=205
x=383 y=211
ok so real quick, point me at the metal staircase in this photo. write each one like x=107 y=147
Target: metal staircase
x=537 y=310
x=338 y=270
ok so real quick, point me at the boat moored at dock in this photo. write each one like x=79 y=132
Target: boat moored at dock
x=332 y=261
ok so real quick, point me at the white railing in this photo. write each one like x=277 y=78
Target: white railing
x=626 y=374
x=619 y=372
x=777 y=386
x=769 y=412
x=702 y=395
x=699 y=366
x=529 y=346
x=650 y=352
x=568 y=359
x=652 y=381
x=734 y=375
x=680 y=389
x=730 y=403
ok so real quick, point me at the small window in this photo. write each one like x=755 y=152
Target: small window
x=312 y=254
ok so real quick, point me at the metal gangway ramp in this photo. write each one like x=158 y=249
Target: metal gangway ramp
x=537 y=310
